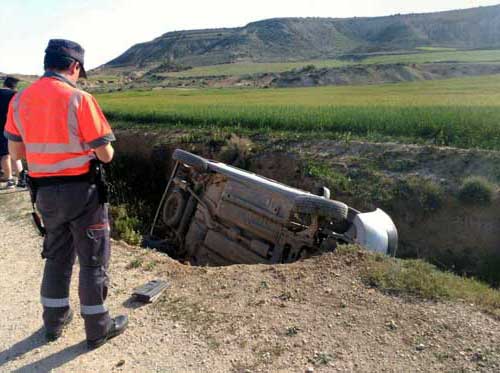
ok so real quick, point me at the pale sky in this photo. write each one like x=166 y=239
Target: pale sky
x=106 y=28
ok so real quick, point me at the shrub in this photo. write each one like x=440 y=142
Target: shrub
x=236 y=151
x=136 y=263
x=308 y=68
x=125 y=227
x=476 y=191
x=336 y=181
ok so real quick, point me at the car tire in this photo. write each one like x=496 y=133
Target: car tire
x=174 y=208
x=190 y=159
x=334 y=210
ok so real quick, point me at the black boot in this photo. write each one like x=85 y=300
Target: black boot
x=118 y=326
x=54 y=335
x=21 y=179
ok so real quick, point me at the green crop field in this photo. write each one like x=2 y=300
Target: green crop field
x=491 y=56
x=459 y=112
x=252 y=68
x=427 y=55
x=436 y=49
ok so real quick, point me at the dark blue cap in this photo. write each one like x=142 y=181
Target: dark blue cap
x=10 y=82
x=67 y=48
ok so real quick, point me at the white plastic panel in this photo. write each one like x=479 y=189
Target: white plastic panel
x=372 y=230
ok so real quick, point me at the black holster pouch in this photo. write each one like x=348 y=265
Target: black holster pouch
x=36 y=219
x=98 y=177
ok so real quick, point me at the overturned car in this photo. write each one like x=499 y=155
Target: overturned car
x=216 y=214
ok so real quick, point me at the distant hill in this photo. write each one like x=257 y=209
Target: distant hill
x=25 y=79
x=295 y=39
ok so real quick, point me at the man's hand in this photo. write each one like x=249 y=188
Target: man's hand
x=17 y=150
x=105 y=153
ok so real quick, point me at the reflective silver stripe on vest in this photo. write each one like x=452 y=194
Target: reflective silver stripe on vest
x=73 y=131
x=52 y=148
x=17 y=118
x=55 y=302
x=93 y=310
x=61 y=165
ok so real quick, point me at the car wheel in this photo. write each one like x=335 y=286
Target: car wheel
x=315 y=205
x=174 y=208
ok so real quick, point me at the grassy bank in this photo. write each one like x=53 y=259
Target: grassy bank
x=439 y=55
x=423 y=280
x=426 y=55
x=252 y=68
x=458 y=112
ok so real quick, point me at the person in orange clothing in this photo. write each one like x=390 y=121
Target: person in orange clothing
x=61 y=131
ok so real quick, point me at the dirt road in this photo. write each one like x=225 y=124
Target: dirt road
x=315 y=315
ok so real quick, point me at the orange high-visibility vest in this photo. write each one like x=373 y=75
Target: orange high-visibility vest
x=59 y=126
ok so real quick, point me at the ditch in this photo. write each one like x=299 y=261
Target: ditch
x=433 y=223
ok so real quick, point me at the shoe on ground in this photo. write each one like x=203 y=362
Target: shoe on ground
x=22 y=179
x=118 y=326
x=21 y=183
x=52 y=336
x=11 y=184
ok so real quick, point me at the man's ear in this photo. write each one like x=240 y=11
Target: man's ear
x=72 y=67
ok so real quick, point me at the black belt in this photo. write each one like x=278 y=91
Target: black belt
x=57 y=180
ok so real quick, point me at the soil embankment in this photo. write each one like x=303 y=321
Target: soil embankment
x=417 y=185
x=315 y=314
x=379 y=74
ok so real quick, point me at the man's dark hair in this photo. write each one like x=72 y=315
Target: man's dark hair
x=10 y=82
x=57 y=62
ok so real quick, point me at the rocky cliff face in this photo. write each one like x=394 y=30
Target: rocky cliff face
x=287 y=39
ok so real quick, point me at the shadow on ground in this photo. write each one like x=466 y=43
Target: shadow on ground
x=37 y=339
x=132 y=303
x=46 y=364
x=55 y=360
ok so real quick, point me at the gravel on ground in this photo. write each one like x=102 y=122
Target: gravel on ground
x=311 y=316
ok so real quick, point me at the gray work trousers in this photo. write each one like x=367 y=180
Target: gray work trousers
x=76 y=224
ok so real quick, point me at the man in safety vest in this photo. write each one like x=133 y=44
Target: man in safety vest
x=60 y=130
